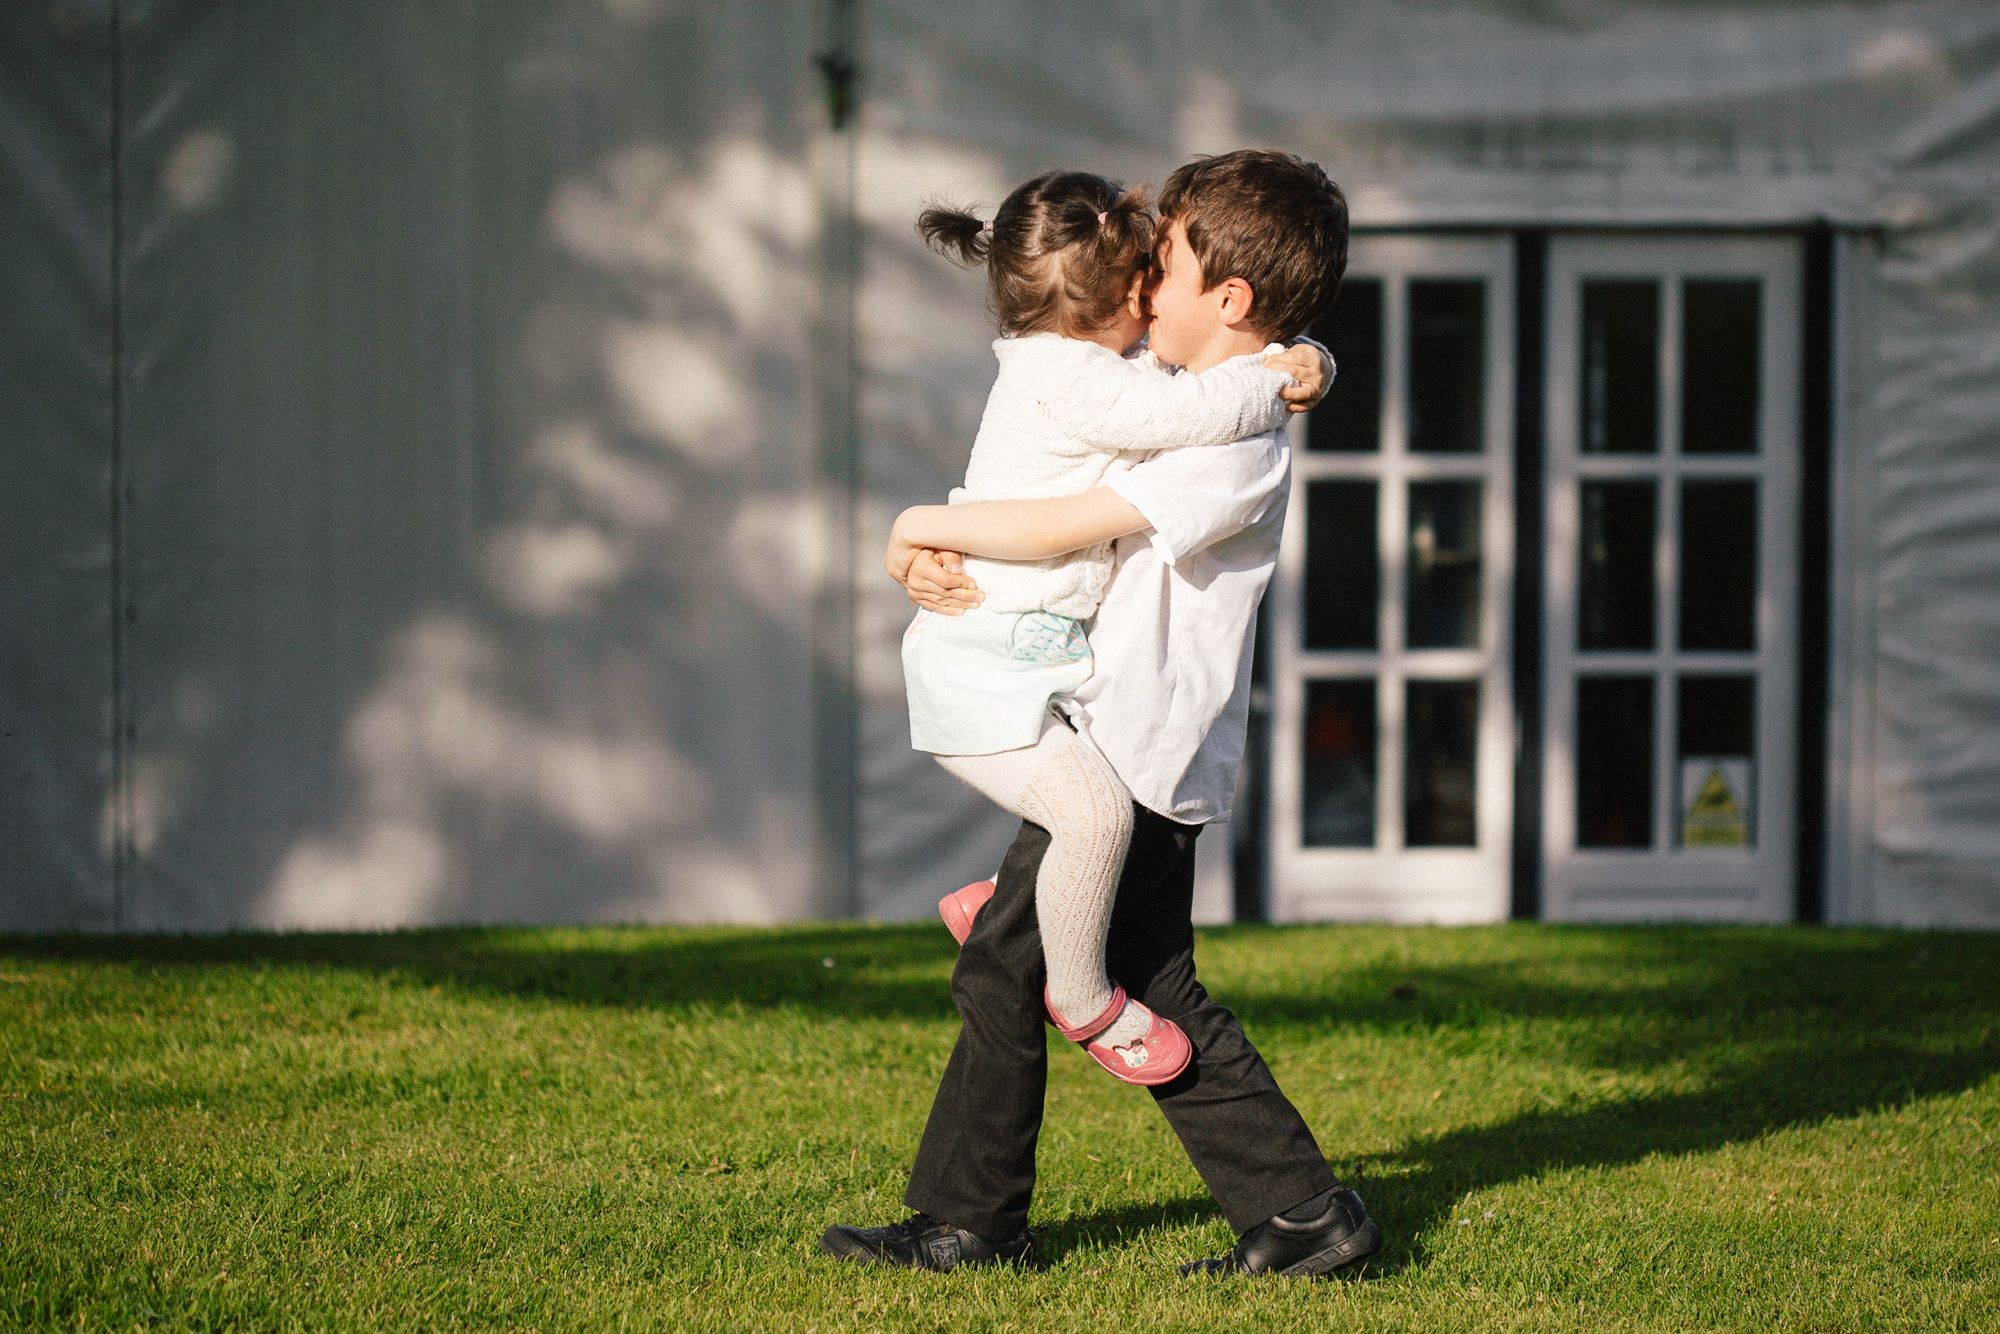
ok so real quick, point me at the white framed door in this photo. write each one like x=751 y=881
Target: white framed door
x=1393 y=740
x=1672 y=565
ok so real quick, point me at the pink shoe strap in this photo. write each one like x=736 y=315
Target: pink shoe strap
x=1085 y=1032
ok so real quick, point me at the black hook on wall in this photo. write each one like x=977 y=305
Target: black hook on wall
x=839 y=70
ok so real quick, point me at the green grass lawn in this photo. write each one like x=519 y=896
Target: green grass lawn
x=1555 y=1127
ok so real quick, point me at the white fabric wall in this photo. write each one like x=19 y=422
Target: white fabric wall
x=55 y=470
x=464 y=369
x=466 y=449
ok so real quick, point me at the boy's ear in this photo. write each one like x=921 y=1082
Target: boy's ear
x=1237 y=299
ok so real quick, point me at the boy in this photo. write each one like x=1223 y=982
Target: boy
x=1254 y=245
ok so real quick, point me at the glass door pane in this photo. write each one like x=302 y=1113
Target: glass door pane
x=1440 y=770
x=1615 y=557
x=1340 y=745
x=1350 y=421
x=1620 y=383
x=1614 y=762
x=1720 y=337
x=1343 y=568
x=1447 y=361
x=1718 y=572
x=1716 y=761
x=1444 y=563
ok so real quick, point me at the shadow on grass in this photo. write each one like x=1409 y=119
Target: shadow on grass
x=1777 y=1029
x=1769 y=1029
x=875 y=971
x=1108 y=1229
x=1414 y=1191
x=1873 y=1023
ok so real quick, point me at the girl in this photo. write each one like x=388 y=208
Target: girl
x=1067 y=256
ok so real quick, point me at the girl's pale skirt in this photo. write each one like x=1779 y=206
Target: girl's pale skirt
x=982 y=682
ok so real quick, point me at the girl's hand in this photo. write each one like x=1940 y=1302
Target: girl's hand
x=1309 y=364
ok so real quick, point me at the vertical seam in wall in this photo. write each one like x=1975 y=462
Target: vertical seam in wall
x=850 y=371
x=834 y=644
x=121 y=787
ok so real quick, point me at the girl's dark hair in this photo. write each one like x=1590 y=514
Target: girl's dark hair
x=1052 y=266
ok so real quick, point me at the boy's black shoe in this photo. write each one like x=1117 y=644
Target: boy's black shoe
x=923 y=1242
x=1317 y=1237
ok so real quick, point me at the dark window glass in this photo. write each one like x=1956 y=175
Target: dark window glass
x=1444 y=565
x=1717 y=772
x=1719 y=565
x=1349 y=418
x=1440 y=768
x=1620 y=392
x=1718 y=715
x=1614 y=762
x=1447 y=376
x=1337 y=801
x=1720 y=336
x=1615 y=596
x=1343 y=565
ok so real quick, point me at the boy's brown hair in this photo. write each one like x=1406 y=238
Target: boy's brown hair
x=1270 y=218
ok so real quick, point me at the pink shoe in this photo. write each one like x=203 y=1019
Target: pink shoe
x=1154 y=1059
x=959 y=907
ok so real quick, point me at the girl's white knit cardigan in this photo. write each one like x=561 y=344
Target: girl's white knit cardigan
x=1063 y=413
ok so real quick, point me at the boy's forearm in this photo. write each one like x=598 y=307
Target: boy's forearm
x=1021 y=529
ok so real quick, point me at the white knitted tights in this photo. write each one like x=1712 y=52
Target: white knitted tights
x=1062 y=784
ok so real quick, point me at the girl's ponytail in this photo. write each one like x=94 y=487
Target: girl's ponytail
x=1060 y=254
x=955 y=234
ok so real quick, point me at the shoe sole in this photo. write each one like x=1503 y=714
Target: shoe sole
x=843 y=1247
x=1356 y=1246
x=847 y=1248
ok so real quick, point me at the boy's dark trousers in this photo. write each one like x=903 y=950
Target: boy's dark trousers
x=976 y=1166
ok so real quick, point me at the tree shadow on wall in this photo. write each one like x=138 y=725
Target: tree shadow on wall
x=490 y=385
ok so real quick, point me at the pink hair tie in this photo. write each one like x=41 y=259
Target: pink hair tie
x=986 y=226
x=1100 y=219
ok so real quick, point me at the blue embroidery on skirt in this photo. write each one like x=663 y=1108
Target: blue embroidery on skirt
x=1044 y=638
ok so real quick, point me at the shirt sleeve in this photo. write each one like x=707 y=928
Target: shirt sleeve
x=1328 y=369
x=1119 y=404
x=1199 y=496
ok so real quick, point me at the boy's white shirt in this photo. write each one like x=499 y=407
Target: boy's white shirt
x=1168 y=703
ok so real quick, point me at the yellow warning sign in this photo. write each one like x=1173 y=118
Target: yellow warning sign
x=1715 y=803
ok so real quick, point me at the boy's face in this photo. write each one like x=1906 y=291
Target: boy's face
x=1186 y=319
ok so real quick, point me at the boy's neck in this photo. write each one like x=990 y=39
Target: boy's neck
x=1226 y=343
